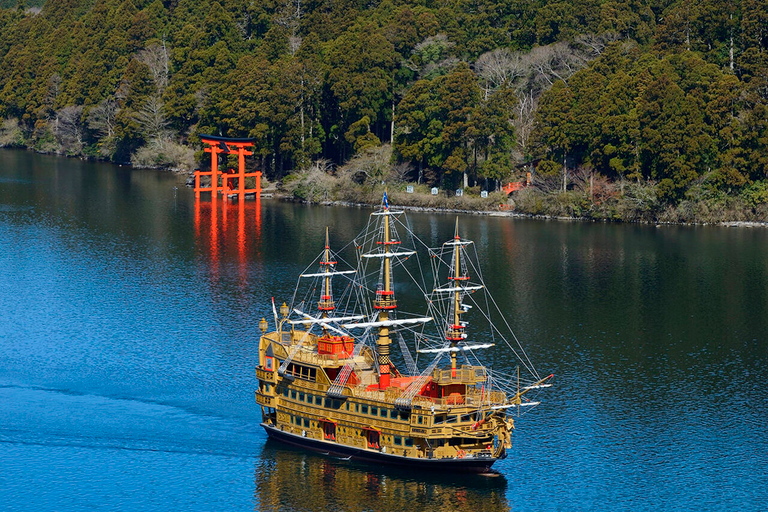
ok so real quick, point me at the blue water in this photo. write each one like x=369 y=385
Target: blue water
x=128 y=341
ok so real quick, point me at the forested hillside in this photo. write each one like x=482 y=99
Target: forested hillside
x=672 y=94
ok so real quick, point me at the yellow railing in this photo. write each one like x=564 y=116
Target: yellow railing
x=265 y=375
x=265 y=400
x=465 y=375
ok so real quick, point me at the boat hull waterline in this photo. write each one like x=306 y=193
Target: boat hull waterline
x=465 y=465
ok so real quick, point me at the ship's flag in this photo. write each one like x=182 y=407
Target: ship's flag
x=386 y=203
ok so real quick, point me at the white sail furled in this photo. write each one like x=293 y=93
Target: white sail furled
x=309 y=319
x=537 y=386
x=388 y=254
x=389 y=323
x=329 y=274
x=456 y=349
x=387 y=212
x=323 y=322
x=459 y=288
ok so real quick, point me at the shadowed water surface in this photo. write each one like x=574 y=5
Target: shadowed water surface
x=129 y=330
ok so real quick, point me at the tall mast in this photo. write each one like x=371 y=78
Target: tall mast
x=326 y=304
x=384 y=300
x=384 y=303
x=455 y=331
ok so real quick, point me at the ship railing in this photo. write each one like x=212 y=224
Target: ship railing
x=464 y=375
x=296 y=339
x=265 y=400
x=473 y=398
x=265 y=375
x=308 y=356
x=370 y=395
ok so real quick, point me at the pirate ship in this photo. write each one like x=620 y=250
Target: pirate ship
x=328 y=383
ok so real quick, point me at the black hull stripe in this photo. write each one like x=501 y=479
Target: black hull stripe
x=468 y=465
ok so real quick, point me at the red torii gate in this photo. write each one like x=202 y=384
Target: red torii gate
x=217 y=145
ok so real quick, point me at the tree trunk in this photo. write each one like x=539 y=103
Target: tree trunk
x=731 y=49
x=565 y=176
x=392 y=124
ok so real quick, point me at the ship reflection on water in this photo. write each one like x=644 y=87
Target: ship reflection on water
x=288 y=479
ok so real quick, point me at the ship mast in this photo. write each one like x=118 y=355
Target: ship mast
x=384 y=300
x=326 y=304
x=384 y=303
x=455 y=331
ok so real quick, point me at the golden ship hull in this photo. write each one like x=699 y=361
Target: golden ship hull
x=457 y=431
x=328 y=390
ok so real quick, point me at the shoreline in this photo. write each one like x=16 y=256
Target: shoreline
x=273 y=194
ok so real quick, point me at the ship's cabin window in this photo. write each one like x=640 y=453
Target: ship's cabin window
x=364 y=409
x=336 y=404
x=306 y=422
x=452 y=419
x=302 y=372
x=372 y=437
x=398 y=440
x=357 y=407
x=293 y=394
x=318 y=400
x=440 y=418
x=383 y=413
x=408 y=441
x=329 y=430
x=405 y=415
x=420 y=419
x=461 y=441
x=375 y=411
x=346 y=405
x=393 y=414
x=301 y=397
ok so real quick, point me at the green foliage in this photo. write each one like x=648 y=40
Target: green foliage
x=671 y=96
x=11 y=135
x=671 y=118
x=756 y=194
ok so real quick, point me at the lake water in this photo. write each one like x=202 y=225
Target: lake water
x=128 y=342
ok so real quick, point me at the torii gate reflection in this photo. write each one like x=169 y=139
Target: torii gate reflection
x=221 y=184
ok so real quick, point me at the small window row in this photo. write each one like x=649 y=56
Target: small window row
x=442 y=418
x=302 y=372
x=299 y=421
x=330 y=403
